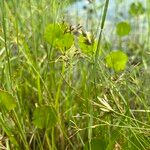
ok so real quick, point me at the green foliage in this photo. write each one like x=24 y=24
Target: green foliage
x=116 y=60
x=44 y=117
x=87 y=44
x=135 y=144
x=109 y=110
x=7 y=101
x=56 y=36
x=123 y=28
x=136 y=9
x=96 y=144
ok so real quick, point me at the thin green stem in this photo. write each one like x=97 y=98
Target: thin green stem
x=5 y=39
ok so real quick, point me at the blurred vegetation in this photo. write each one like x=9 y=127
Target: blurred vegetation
x=74 y=80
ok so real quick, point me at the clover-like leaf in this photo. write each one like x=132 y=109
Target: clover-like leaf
x=117 y=60
x=44 y=117
x=55 y=35
x=136 y=9
x=7 y=101
x=123 y=28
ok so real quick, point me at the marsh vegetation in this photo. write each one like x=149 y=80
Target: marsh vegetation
x=74 y=80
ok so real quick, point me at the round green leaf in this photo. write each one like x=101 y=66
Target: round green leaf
x=123 y=28
x=44 y=117
x=136 y=9
x=87 y=44
x=117 y=60
x=7 y=101
x=56 y=36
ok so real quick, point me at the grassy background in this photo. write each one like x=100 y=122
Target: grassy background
x=36 y=74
